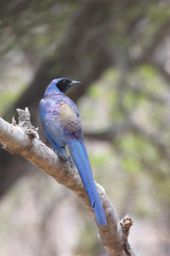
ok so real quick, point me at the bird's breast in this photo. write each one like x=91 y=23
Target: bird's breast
x=66 y=113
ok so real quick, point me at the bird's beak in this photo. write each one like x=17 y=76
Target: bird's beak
x=75 y=83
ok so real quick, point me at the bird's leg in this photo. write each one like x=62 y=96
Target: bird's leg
x=63 y=154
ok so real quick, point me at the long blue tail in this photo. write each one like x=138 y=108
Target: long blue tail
x=80 y=158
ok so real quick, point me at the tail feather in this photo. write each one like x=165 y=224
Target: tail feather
x=80 y=158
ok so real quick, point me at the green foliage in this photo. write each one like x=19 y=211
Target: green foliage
x=137 y=153
x=159 y=14
x=152 y=82
x=100 y=160
x=132 y=100
x=96 y=91
x=131 y=164
x=7 y=98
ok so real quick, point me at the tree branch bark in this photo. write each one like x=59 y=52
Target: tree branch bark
x=22 y=139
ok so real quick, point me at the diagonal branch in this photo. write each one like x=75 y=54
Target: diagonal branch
x=22 y=139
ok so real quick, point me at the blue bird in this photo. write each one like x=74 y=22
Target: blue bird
x=61 y=122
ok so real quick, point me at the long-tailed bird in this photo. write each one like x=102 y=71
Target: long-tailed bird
x=62 y=126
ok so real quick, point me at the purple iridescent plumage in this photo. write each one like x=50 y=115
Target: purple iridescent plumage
x=62 y=126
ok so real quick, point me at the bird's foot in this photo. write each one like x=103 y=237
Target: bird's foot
x=67 y=159
x=70 y=162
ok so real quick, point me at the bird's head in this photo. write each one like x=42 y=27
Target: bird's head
x=60 y=85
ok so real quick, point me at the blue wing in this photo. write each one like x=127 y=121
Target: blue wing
x=53 y=130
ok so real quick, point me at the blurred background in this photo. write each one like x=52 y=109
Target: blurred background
x=120 y=50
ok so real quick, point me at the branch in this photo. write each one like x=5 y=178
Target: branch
x=22 y=139
x=116 y=131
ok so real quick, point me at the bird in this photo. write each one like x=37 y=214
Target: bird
x=61 y=123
